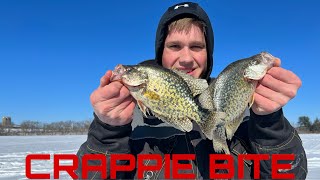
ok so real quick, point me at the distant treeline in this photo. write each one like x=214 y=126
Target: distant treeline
x=37 y=128
x=306 y=126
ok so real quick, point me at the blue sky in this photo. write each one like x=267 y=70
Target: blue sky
x=53 y=53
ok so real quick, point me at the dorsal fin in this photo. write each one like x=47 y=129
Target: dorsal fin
x=197 y=86
x=206 y=97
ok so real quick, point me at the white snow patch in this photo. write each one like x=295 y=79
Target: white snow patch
x=14 y=149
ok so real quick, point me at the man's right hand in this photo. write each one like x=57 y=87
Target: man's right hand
x=112 y=102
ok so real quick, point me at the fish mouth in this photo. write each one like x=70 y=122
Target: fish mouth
x=127 y=82
x=118 y=72
x=134 y=87
x=270 y=60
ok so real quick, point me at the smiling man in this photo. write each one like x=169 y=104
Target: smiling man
x=184 y=41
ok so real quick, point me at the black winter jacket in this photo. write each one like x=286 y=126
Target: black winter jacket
x=270 y=134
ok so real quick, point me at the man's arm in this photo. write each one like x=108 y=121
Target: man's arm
x=269 y=131
x=105 y=139
x=273 y=134
x=110 y=130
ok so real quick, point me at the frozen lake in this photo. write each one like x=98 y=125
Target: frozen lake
x=13 y=150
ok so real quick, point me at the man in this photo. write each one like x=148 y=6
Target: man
x=184 y=41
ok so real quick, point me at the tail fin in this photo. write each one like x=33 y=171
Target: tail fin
x=213 y=126
x=219 y=140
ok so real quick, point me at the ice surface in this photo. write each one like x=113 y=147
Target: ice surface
x=311 y=144
x=14 y=149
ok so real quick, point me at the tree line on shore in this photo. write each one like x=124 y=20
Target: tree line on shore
x=29 y=127
x=306 y=126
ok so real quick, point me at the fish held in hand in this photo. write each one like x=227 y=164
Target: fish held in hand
x=229 y=95
x=167 y=94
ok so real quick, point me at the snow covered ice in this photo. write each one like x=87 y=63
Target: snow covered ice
x=14 y=149
x=311 y=144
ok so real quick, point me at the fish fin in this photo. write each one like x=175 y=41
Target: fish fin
x=221 y=115
x=210 y=123
x=205 y=100
x=251 y=101
x=206 y=129
x=148 y=111
x=232 y=126
x=143 y=108
x=151 y=95
x=219 y=140
x=197 y=86
x=183 y=124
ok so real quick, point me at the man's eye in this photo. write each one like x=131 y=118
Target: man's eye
x=196 y=48
x=174 y=46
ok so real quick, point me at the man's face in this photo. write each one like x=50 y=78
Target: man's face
x=186 y=51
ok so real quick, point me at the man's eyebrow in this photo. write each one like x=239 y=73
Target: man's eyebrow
x=192 y=42
x=200 y=43
x=173 y=42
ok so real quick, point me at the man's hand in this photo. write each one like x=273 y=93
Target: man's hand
x=112 y=102
x=275 y=90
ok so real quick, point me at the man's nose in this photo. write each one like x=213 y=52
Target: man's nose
x=186 y=56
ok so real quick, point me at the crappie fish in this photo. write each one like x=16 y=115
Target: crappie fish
x=229 y=95
x=168 y=94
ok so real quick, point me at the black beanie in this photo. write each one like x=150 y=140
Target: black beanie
x=183 y=10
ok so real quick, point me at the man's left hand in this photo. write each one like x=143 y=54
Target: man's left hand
x=275 y=90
